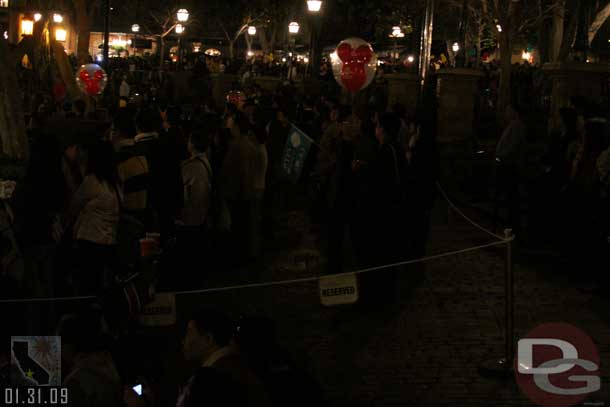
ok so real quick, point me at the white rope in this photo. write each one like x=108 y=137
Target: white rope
x=287 y=282
x=473 y=223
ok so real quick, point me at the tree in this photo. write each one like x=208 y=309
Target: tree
x=12 y=128
x=84 y=11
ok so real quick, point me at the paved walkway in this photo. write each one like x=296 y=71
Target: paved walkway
x=424 y=351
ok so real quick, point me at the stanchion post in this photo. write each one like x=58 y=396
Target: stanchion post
x=503 y=368
x=509 y=289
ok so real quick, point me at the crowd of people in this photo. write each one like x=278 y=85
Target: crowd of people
x=210 y=183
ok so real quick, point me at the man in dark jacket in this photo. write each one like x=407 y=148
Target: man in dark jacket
x=222 y=378
x=164 y=168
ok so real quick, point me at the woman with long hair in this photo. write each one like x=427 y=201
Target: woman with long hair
x=95 y=212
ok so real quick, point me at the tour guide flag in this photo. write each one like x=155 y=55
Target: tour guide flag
x=295 y=153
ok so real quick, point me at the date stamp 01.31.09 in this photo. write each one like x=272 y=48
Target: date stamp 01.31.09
x=49 y=396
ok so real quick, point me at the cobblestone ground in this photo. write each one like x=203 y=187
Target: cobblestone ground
x=425 y=350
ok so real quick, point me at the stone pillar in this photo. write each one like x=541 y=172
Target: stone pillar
x=574 y=79
x=457 y=91
x=404 y=89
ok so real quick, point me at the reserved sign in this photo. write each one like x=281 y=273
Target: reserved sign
x=160 y=312
x=338 y=290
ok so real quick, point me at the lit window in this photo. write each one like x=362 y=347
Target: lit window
x=3 y=3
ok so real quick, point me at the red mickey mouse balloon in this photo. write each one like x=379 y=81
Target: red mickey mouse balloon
x=354 y=64
x=91 y=79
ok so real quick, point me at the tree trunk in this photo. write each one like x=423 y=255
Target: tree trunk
x=569 y=33
x=231 y=49
x=262 y=35
x=504 y=92
x=598 y=22
x=13 y=139
x=83 y=22
x=161 y=52
x=557 y=32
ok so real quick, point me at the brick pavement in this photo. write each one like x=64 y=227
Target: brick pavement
x=425 y=350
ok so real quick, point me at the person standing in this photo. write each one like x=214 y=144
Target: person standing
x=221 y=377
x=193 y=232
x=95 y=209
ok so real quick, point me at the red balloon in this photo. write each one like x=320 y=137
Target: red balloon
x=91 y=79
x=355 y=64
x=353 y=72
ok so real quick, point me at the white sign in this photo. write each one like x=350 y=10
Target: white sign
x=160 y=312
x=338 y=290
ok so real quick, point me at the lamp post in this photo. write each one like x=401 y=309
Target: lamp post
x=314 y=7
x=396 y=34
x=249 y=39
x=293 y=29
x=426 y=41
x=182 y=16
x=106 y=50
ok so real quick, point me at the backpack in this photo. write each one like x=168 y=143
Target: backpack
x=219 y=218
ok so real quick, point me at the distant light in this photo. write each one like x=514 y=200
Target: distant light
x=314 y=5
x=37 y=17
x=290 y=54
x=128 y=42
x=135 y=28
x=481 y=152
x=179 y=28
x=411 y=59
x=213 y=52
x=252 y=30
x=588 y=61
x=306 y=60
x=455 y=47
x=294 y=27
x=60 y=34
x=250 y=54
x=182 y=15
x=196 y=48
x=334 y=57
x=99 y=58
x=284 y=59
x=526 y=55
x=499 y=28
x=58 y=18
x=6 y=35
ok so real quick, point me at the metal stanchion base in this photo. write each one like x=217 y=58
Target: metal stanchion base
x=496 y=369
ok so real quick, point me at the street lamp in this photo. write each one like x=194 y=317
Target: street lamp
x=27 y=25
x=135 y=28
x=58 y=18
x=294 y=27
x=314 y=6
x=252 y=30
x=182 y=15
x=60 y=34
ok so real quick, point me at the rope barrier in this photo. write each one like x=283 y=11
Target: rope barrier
x=501 y=241
x=462 y=214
